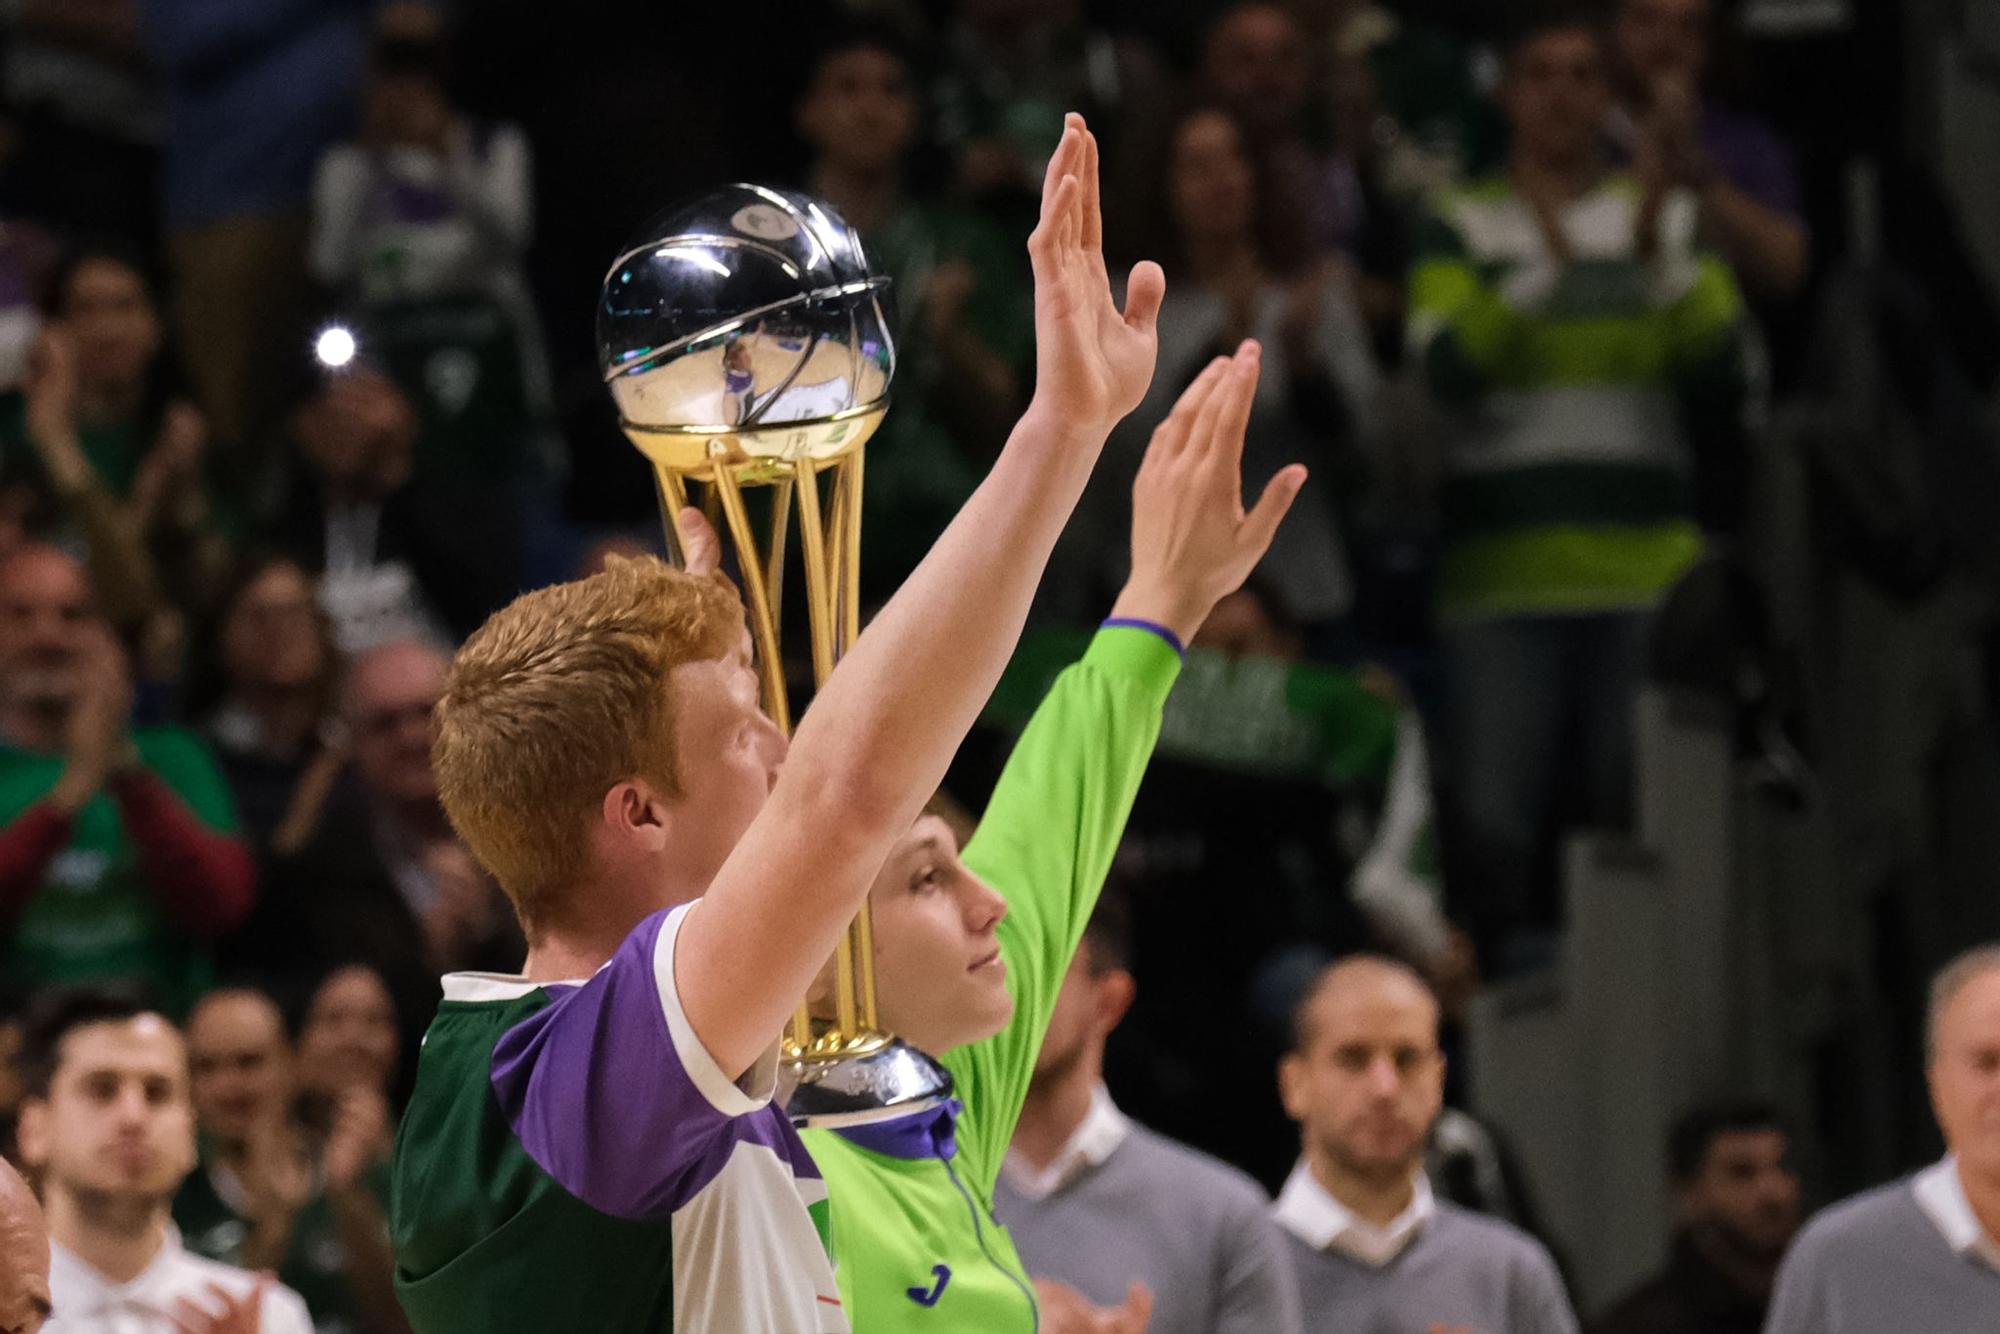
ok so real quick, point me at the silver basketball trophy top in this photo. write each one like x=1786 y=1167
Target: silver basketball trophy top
x=751 y=314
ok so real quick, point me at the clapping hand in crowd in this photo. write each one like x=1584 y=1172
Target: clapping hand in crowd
x=228 y=1315
x=49 y=391
x=277 y=1181
x=464 y=908
x=359 y=1141
x=1066 y=1311
x=167 y=488
x=97 y=743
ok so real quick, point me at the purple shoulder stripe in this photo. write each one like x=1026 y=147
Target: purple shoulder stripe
x=598 y=1095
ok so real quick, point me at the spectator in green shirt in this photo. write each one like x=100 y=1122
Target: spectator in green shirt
x=117 y=850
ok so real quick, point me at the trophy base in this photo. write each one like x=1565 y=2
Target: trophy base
x=892 y=1080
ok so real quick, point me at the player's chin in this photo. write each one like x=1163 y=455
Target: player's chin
x=994 y=1008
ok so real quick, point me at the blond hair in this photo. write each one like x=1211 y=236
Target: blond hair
x=559 y=697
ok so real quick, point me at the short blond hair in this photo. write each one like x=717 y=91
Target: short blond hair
x=559 y=697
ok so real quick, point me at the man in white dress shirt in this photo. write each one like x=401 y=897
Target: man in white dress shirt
x=107 y=1122
x=1923 y=1252
x=1372 y=1247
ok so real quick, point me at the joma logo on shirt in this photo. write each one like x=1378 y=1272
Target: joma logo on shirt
x=929 y=1296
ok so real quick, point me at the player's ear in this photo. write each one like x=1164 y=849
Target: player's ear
x=31 y=1133
x=635 y=815
x=1115 y=991
x=1292 y=1085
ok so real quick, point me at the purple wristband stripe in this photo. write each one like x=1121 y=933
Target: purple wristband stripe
x=1134 y=623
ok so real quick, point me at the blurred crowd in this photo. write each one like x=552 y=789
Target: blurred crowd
x=1538 y=288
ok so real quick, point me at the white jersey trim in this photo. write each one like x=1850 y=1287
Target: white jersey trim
x=723 y=1093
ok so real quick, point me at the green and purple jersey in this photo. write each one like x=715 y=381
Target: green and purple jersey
x=573 y=1159
x=913 y=1226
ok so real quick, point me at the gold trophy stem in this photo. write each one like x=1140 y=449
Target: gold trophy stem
x=774 y=566
x=763 y=616
x=829 y=529
x=820 y=605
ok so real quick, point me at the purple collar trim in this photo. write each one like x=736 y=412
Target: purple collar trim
x=931 y=1133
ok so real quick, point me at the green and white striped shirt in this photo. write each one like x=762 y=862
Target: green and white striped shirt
x=1576 y=385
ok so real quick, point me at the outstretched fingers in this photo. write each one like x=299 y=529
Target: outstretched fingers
x=1060 y=188
x=1199 y=441
x=1171 y=435
x=1092 y=213
x=1234 y=424
x=1063 y=162
x=1261 y=524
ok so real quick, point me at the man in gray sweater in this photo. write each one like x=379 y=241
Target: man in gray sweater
x=1098 y=1203
x=1373 y=1249
x=1921 y=1254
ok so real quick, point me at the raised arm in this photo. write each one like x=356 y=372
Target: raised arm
x=879 y=735
x=1056 y=815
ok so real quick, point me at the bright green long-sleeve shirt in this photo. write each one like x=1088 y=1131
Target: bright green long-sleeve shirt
x=913 y=1234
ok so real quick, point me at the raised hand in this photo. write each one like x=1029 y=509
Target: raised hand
x=1092 y=361
x=1192 y=542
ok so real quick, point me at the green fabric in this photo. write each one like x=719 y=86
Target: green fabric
x=1598 y=325
x=1045 y=843
x=315 y=1263
x=1563 y=568
x=460 y=1173
x=895 y=1220
x=1559 y=492
x=460 y=361
x=93 y=917
x=1255 y=716
x=114 y=450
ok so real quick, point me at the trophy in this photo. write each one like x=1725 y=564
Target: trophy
x=743 y=341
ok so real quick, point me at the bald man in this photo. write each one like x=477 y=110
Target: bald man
x=1923 y=1252
x=1372 y=1248
x=24 y=1256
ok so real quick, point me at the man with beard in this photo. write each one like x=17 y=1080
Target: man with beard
x=108 y=1125
x=1738 y=1199
x=117 y=854
x=1371 y=1245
